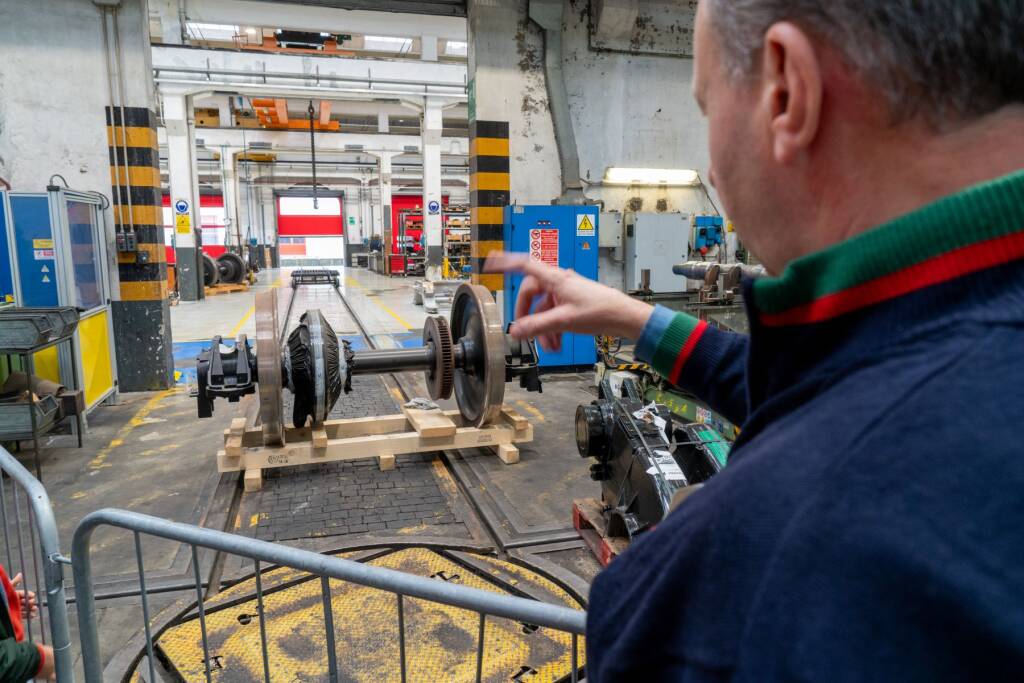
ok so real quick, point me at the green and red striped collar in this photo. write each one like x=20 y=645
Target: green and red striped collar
x=980 y=227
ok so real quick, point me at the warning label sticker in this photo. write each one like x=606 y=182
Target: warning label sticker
x=544 y=246
x=667 y=466
x=42 y=254
x=585 y=225
x=42 y=244
x=183 y=225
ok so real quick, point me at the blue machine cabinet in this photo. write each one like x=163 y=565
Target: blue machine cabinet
x=565 y=236
x=7 y=290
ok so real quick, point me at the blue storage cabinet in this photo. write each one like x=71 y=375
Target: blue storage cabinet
x=34 y=249
x=6 y=262
x=565 y=236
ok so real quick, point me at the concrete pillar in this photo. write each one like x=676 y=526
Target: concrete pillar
x=383 y=122
x=224 y=112
x=365 y=225
x=230 y=193
x=428 y=48
x=172 y=20
x=184 y=187
x=385 y=193
x=430 y=132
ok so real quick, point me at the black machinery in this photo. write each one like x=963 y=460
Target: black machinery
x=228 y=268
x=647 y=460
x=471 y=356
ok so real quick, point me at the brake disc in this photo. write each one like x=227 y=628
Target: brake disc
x=268 y=363
x=441 y=377
x=480 y=382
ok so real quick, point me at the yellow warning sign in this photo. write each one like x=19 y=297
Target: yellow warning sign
x=42 y=244
x=585 y=226
x=182 y=224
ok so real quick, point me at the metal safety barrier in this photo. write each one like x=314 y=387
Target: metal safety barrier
x=38 y=561
x=403 y=585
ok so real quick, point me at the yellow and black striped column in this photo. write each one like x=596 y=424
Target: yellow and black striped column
x=489 y=192
x=141 y=316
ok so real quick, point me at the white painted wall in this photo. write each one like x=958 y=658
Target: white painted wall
x=627 y=109
x=634 y=111
x=53 y=90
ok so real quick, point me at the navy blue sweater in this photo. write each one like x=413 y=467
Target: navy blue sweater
x=869 y=524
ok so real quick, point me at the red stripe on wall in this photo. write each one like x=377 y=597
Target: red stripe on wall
x=936 y=270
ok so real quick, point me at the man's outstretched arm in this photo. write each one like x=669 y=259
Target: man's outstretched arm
x=708 y=363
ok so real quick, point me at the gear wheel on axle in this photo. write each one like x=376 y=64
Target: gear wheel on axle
x=441 y=377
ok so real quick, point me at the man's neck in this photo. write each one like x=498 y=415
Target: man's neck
x=909 y=166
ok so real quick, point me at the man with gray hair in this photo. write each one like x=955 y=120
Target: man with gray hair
x=868 y=526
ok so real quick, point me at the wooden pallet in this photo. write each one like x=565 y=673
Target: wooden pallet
x=589 y=521
x=226 y=289
x=381 y=437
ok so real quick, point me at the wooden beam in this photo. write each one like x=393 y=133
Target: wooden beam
x=508 y=453
x=358 y=447
x=325 y=112
x=430 y=423
x=253 y=480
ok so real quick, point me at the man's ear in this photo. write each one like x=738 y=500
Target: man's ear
x=792 y=76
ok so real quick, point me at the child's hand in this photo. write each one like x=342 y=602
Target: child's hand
x=47 y=672
x=29 y=607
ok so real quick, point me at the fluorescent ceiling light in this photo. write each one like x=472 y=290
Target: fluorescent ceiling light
x=387 y=44
x=456 y=48
x=650 y=176
x=203 y=31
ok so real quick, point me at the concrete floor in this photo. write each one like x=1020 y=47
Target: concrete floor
x=149 y=454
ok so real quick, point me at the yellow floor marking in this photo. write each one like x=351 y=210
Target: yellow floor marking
x=162 y=449
x=99 y=461
x=249 y=313
x=384 y=307
x=530 y=409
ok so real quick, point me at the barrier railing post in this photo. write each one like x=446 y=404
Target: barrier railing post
x=46 y=560
x=484 y=603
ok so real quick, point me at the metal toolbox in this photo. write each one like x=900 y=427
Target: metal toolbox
x=22 y=329
x=16 y=422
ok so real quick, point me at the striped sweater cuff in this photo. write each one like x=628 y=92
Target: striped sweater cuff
x=668 y=340
x=652 y=332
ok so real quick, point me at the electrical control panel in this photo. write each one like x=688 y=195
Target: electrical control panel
x=563 y=236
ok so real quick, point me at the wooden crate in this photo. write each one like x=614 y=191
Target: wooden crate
x=381 y=437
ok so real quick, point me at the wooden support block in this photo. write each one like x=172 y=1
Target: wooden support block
x=233 y=446
x=226 y=463
x=430 y=423
x=253 y=480
x=383 y=437
x=508 y=453
x=237 y=427
x=514 y=418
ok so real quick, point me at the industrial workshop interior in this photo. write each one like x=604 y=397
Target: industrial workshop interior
x=352 y=340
